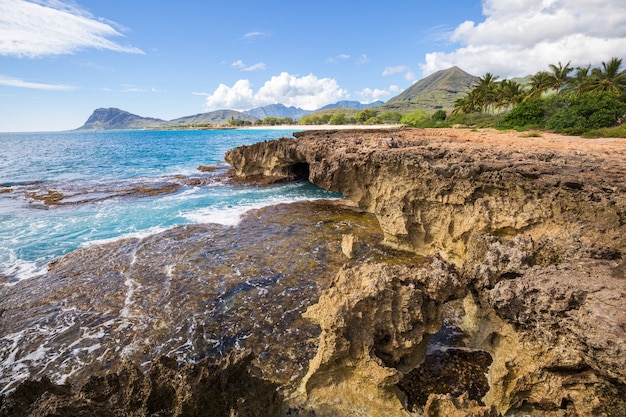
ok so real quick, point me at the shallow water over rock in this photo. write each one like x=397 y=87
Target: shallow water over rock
x=190 y=293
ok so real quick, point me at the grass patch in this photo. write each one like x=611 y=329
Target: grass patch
x=607 y=132
x=532 y=134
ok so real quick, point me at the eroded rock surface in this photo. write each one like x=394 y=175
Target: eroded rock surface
x=537 y=229
x=489 y=279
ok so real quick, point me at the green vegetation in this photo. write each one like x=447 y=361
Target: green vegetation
x=564 y=99
x=607 y=132
x=239 y=122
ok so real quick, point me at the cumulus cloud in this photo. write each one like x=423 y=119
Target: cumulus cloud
x=308 y=92
x=521 y=37
x=52 y=27
x=368 y=95
x=19 y=83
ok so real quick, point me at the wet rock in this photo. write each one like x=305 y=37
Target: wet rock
x=350 y=245
x=195 y=294
x=167 y=390
x=449 y=367
x=206 y=168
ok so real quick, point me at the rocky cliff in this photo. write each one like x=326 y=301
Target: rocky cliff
x=533 y=232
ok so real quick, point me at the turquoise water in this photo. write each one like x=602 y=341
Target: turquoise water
x=94 y=166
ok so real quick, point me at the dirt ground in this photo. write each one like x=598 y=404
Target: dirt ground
x=611 y=148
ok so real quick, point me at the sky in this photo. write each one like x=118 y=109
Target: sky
x=62 y=59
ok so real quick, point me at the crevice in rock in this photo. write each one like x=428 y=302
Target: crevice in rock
x=450 y=367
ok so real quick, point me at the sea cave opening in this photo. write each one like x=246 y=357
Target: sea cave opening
x=300 y=171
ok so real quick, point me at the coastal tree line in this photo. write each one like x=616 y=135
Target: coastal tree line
x=563 y=98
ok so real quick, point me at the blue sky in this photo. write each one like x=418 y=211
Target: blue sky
x=61 y=59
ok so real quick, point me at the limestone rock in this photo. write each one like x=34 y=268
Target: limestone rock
x=350 y=245
x=375 y=320
x=518 y=243
x=537 y=229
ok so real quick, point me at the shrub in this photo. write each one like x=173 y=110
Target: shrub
x=391 y=116
x=528 y=113
x=439 y=116
x=607 y=132
x=589 y=111
x=475 y=119
x=415 y=119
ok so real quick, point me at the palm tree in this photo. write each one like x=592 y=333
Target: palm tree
x=560 y=76
x=469 y=103
x=486 y=90
x=509 y=93
x=581 y=82
x=540 y=83
x=609 y=78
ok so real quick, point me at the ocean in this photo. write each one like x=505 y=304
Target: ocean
x=61 y=191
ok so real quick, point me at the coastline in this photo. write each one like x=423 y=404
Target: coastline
x=320 y=127
x=509 y=243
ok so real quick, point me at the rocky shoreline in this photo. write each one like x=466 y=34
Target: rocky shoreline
x=535 y=228
x=475 y=274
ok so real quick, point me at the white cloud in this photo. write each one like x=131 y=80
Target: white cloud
x=308 y=92
x=16 y=82
x=240 y=65
x=408 y=74
x=394 y=70
x=521 y=37
x=252 y=36
x=363 y=59
x=133 y=89
x=52 y=27
x=337 y=58
x=368 y=95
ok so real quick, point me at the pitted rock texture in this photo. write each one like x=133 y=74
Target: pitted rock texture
x=375 y=321
x=433 y=192
x=537 y=229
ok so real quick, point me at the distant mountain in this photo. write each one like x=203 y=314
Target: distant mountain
x=350 y=104
x=277 y=110
x=437 y=91
x=112 y=118
x=217 y=117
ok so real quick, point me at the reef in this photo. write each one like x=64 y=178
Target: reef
x=467 y=274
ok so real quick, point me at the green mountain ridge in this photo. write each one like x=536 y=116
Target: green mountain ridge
x=113 y=118
x=437 y=91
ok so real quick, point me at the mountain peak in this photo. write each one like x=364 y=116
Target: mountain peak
x=438 y=90
x=114 y=118
x=277 y=110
